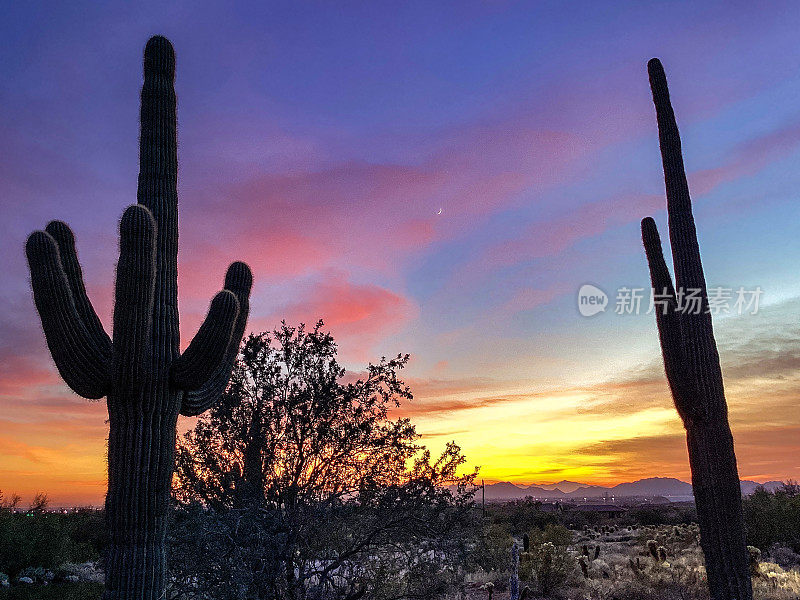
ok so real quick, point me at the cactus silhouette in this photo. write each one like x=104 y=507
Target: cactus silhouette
x=652 y=548
x=146 y=380
x=691 y=363
x=513 y=580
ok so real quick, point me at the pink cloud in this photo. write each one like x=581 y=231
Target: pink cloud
x=371 y=215
x=357 y=215
x=549 y=238
x=359 y=315
x=552 y=237
x=747 y=159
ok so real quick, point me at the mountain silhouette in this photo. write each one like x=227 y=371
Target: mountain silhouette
x=668 y=487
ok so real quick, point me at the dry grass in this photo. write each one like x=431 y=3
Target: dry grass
x=626 y=570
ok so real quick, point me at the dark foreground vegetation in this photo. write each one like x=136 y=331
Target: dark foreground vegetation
x=299 y=484
x=651 y=552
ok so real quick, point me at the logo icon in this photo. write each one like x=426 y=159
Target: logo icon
x=591 y=300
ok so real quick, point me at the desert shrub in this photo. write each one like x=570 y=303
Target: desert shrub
x=578 y=519
x=549 y=562
x=88 y=572
x=66 y=591
x=522 y=515
x=773 y=517
x=555 y=534
x=646 y=516
x=667 y=514
x=550 y=566
x=575 y=520
x=783 y=556
x=87 y=528
x=37 y=574
x=491 y=553
x=46 y=540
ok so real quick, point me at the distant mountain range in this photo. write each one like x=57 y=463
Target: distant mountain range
x=667 y=487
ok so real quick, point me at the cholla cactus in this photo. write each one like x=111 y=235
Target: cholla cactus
x=693 y=370
x=583 y=562
x=755 y=561
x=635 y=565
x=141 y=371
x=489 y=587
x=662 y=554
x=513 y=581
x=652 y=548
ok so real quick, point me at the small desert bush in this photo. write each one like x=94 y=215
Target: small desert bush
x=774 y=517
x=48 y=540
x=783 y=556
x=56 y=591
x=491 y=554
x=548 y=565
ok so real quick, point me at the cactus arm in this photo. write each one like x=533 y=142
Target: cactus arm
x=133 y=310
x=238 y=280
x=65 y=240
x=83 y=364
x=659 y=273
x=208 y=350
x=668 y=321
x=683 y=234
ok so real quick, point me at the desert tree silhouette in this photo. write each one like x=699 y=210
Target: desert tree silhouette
x=300 y=483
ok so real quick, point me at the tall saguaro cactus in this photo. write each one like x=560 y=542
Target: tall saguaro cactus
x=146 y=379
x=693 y=371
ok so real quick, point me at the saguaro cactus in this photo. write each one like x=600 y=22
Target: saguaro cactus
x=513 y=580
x=146 y=380
x=693 y=371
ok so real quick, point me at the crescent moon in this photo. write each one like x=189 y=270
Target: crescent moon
x=440 y=212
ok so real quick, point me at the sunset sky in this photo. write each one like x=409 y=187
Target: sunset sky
x=320 y=141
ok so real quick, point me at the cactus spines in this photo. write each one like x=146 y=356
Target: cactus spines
x=141 y=371
x=513 y=580
x=691 y=363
